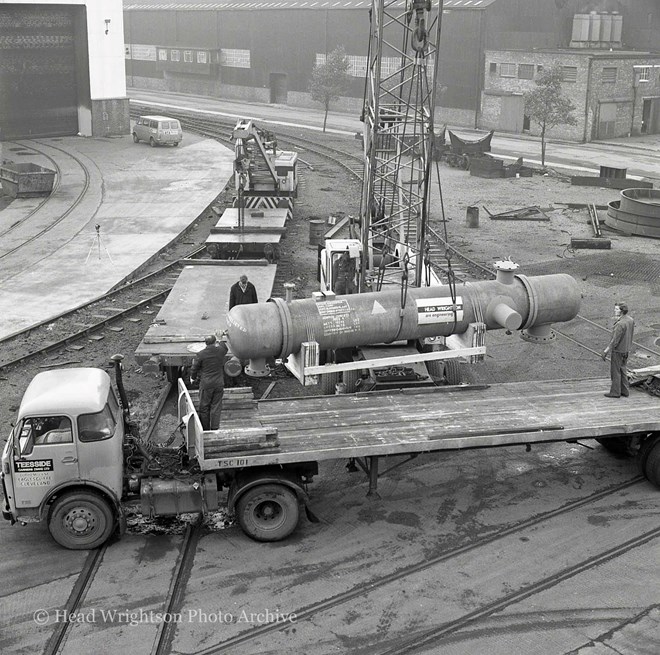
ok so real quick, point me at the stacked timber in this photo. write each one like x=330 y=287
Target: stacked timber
x=226 y=441
x=246 y=433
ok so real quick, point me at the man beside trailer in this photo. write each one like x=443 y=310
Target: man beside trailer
x=208 y=369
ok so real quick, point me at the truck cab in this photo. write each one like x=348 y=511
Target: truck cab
x=63 y=459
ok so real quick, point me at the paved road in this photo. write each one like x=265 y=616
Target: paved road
x=640 y=155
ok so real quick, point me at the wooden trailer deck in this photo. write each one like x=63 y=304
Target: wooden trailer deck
x=197 y=306
x=315 y=428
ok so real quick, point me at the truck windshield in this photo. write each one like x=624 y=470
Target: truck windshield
x=96 y=427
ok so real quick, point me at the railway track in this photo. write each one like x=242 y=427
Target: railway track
x=61 y=216
x=90 y=319
x=174 y=602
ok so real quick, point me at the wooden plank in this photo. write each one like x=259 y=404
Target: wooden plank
x=597 y=243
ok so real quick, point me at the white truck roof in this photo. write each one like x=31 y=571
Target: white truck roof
x=70 y=391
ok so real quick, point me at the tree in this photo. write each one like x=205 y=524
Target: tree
x=547 y=105
x=330 y=80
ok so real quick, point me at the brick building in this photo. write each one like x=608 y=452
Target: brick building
x=615 y=93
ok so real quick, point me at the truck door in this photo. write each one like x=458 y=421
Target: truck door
x=45 y=456
x=100 y=437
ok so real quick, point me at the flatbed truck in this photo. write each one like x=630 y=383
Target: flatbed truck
x=74 y=459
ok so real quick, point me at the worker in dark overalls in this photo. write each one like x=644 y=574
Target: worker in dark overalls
x=344 y=274
x=209 y=368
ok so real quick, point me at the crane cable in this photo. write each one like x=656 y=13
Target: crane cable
x=451 y=277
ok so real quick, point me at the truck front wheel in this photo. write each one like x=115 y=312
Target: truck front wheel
x=80 y=520
x=268 y=512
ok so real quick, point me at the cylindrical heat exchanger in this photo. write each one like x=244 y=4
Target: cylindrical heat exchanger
x=277 y=328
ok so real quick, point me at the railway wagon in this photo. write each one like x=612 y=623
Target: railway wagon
x=198 y=306
x=74 y=458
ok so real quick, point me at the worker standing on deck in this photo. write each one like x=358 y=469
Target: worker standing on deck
x=208 y=368
x=242 y=293
x=619 y=347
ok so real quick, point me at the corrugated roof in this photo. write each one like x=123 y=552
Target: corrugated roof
x=218 y=5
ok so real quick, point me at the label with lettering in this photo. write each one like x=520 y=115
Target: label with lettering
x=34 y=472
x=439 y=310
x=337 y=317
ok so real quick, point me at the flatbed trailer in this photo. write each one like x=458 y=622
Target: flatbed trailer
x=197 y=306
x=364 y=427
x=259 y=231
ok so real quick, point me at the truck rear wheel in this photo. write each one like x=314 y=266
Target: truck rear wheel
x=651 y=463
x=81 y=520
x=268 y=512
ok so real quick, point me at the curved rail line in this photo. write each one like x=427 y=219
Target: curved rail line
x=63 y=215
x=112 y=296
x=431 y=637
x=374 y=585
x=56 y=185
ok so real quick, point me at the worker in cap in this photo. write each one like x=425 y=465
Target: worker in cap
x=208 y=368
x=619 y=348
x=242 y=292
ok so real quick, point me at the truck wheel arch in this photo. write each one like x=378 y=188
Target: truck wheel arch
x=98 y=489
x=243 y=483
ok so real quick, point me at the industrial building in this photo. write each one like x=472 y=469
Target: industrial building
x=62 y=68
x=265 y=52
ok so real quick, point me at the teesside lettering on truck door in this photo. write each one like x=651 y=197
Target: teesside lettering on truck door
x=34 y=473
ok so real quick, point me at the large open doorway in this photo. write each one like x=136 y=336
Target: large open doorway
x=38 y=70
x=651 y=116
x=278 y=88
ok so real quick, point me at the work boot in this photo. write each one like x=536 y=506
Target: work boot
x=611 y=395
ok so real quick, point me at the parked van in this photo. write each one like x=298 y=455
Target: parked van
x=157 y=130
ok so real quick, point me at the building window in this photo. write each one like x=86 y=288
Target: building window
x=235 y=58
x=187 y=56
x=493 y=67
x=201 y=57
x=175 y=55
x=609 y=74
x=508 y=70
x=526 y=71
x=162 y=54
x=644 y=73
x=569 y=73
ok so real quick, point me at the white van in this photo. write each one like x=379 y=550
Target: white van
x=157 y=130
